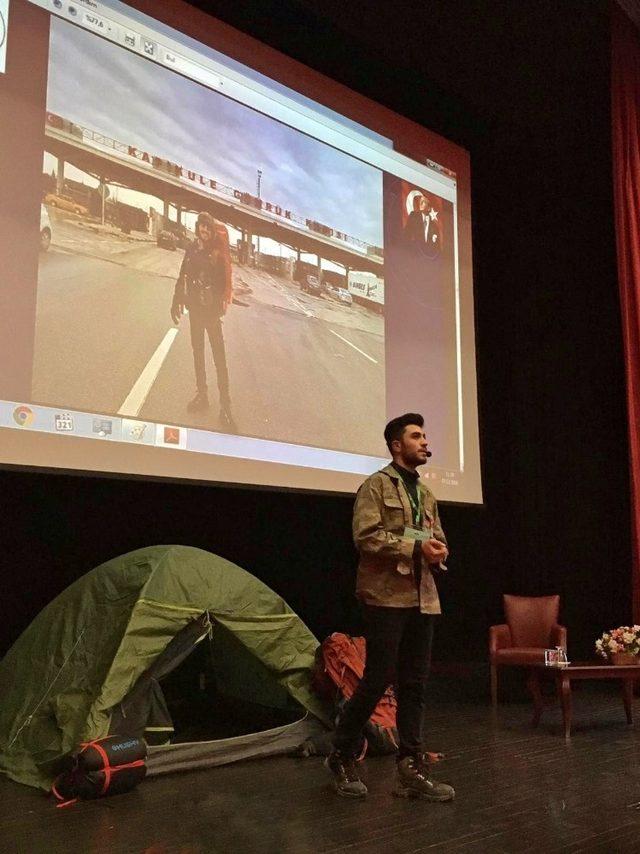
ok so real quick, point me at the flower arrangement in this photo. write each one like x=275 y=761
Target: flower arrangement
x=624 y=639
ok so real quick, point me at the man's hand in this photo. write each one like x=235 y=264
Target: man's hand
x=434 y=550
x=177 y=310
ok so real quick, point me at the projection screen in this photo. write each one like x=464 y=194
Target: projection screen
x=342 y=241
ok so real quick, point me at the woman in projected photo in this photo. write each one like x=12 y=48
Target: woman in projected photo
x=204 y=288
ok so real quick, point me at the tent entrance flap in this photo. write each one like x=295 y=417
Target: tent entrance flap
x=206 y=754
x=222 y=690
x=144 y=712
x=194 y=691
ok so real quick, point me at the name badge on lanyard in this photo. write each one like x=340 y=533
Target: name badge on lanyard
x=419 y=530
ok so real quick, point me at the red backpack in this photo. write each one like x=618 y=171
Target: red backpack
x=339 y=668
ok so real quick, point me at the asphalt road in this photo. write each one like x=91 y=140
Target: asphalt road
x=303 y=369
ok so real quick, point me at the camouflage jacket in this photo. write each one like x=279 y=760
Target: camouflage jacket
x=385 y=571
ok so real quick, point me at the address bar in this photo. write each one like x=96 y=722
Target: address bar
x=192 y=69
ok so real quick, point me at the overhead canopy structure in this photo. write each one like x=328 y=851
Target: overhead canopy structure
x=89 y=665
x=108 y=159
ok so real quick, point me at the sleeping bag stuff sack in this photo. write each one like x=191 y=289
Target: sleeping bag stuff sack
x=107 y=766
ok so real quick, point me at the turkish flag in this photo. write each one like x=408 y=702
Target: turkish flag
x=417 y=202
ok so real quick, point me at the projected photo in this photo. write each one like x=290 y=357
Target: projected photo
x=264 y=318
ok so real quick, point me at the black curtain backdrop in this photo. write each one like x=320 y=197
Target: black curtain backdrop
x=525 y=87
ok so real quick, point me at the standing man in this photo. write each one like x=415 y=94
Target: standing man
x=423 y=228
x=416 y=228
x=204 y=288
x=397 y=531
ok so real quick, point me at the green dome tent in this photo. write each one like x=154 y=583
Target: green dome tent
x=89 y=665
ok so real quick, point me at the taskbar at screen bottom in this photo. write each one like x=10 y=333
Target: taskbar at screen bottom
x=64 y=440
x=84 y=425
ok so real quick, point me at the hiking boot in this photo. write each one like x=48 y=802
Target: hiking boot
x=346 y=779
x=429 y=758
x=199 y=403
x=414 y=781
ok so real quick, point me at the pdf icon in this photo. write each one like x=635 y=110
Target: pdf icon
x=4 y=18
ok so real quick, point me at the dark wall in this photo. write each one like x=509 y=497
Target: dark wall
x=525 y=87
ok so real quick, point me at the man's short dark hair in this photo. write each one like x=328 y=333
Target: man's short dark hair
x=395 y=428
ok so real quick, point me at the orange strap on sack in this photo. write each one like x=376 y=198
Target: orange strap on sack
x=107 y=769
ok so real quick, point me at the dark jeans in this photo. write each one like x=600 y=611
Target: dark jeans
x=201 y=319
x=398 y=651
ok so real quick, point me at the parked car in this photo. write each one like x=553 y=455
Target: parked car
x=45 y=229
x=340 y=294
x=65 y=203
x=312 y=285
x=167 y=240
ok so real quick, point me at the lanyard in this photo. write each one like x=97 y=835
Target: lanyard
x=417 y=508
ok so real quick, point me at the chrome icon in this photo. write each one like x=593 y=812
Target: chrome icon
x=23 y=416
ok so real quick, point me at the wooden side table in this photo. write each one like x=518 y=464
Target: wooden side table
x=627 y=675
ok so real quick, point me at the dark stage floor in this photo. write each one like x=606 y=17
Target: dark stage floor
x=518 y=790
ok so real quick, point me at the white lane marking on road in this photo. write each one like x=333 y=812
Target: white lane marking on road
x=142 y=386
x=362 y=353
x=299 y=305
